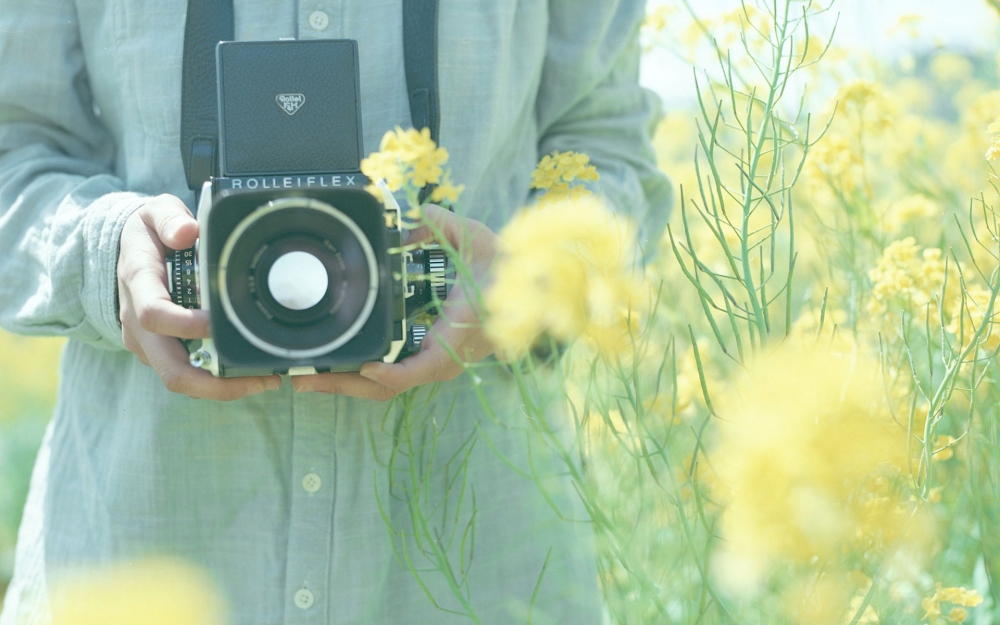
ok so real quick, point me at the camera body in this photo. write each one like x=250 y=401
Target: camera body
x=301 y=269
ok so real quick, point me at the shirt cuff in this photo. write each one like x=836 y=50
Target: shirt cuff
x=102 y=231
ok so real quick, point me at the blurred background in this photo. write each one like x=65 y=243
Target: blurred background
x=903 y=34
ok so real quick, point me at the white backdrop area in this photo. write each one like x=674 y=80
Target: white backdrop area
x=871 y=25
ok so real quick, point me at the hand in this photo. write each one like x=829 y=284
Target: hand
x=458 y=326
x=151 y=322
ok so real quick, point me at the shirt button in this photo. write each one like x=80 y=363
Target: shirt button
x=304 y=599
x=312 y=482
x=319 y=20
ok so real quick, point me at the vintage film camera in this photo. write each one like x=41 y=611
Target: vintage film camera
x=302 y=270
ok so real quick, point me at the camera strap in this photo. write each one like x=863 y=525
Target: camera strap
x=210 y=21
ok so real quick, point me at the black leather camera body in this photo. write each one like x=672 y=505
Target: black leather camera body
x=301 y=269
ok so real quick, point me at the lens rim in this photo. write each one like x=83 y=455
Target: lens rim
x=265 y=210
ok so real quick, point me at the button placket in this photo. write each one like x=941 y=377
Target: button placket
x=313 y=477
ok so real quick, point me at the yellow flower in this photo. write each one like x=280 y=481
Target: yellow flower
x=906 y=277
x=911 y=210
x=447 y=192
x=557 y=171
x=657 y=18
x=968 y=316
x=945 y=450
x=808 y=448
x=959 y=597
x=565 y=270
x=406 y=156
x=931 y=607
x=150 y=592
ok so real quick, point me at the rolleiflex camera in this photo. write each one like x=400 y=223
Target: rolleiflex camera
x=301 y=268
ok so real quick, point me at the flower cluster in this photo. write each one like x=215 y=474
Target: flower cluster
x=968 y=313
x=410 y=157
x=906 y=277
x=960 y=598
x=808 y=451
x=994 y=151
x=146 y=592
x=556 y=173
x=911 y=210
x=566 y=270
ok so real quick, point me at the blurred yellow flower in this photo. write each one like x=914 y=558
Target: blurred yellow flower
x=959 y=597
x=969 y=314
x=944 y=448
x=29 y=373
x=950 y=68
x=147 y=592
x=908 y=24
x=807 y=448
x=447 y=192
x=911 y=210
x=566 y=269
x=657 y=18
x=905 y=277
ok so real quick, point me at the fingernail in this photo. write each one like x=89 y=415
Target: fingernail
x=304 y=387
x=272 y=385
x=255 y=389
x=366 y=372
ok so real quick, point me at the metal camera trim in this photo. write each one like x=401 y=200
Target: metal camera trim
x=275 y=206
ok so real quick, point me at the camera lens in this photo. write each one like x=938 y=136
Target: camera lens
x=298 y=278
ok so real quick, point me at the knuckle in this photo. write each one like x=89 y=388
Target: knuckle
x=148 y=316
x=174 y=380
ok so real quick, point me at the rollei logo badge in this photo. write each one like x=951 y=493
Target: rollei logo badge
x=290 y=102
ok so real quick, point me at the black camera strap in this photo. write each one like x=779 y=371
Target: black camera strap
x=208 y=23
x=211 y=21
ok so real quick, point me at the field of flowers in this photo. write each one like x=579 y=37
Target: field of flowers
x=791 y=414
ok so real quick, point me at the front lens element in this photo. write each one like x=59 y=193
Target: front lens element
x=298 y=280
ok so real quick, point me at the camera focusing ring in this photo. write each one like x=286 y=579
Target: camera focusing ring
x=298 y=224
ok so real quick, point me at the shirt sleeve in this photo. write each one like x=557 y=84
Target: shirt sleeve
x=590 y=101
x=61 y=208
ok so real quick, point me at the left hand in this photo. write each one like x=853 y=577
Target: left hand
x=459 y=324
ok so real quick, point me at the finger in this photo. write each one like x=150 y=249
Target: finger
x=456 y=230
x=349 y=384
x=431 y=364
x=171 y=220
x=156 y=312
x=170 y=361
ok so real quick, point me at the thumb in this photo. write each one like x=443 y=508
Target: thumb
x=173 y=223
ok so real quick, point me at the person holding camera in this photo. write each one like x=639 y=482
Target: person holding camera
x=284 y=492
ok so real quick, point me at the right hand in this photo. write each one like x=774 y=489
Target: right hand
x=151 y=322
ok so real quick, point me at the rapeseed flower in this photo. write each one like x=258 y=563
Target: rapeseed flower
x=407 y=157
x=911 y=210
x=906 y=277
x=808 y=450
x=968 y=315
x=960 y=598
x=148 y=592
x=566 y=270
x=556 y=173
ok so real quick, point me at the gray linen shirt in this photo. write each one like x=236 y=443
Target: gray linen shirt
x=277 y=493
